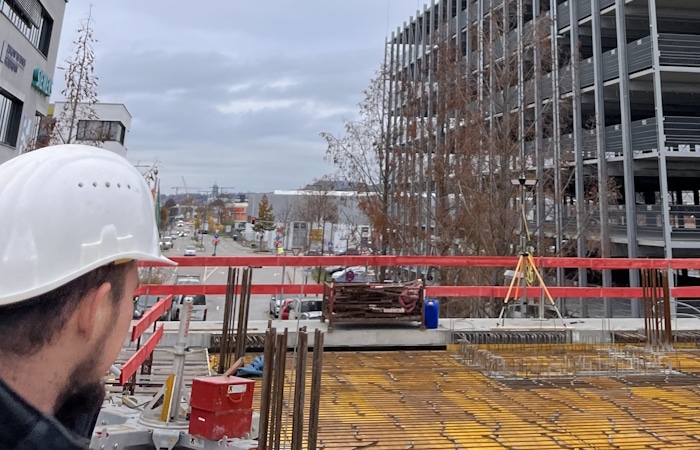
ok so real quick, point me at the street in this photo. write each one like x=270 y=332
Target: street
x=259 y=308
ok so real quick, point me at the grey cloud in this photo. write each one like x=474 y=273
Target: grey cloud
x=300 y=68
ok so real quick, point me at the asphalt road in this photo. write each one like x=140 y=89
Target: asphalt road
x=217 y=275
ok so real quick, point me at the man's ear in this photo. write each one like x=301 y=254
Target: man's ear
x=95 y=310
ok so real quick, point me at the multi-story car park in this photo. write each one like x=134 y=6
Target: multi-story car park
x=627 y=75
x=30 y=31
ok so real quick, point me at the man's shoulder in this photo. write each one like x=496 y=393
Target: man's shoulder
x=23 y=427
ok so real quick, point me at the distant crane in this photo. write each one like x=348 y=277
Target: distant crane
x=177 y=188
x=184 y=186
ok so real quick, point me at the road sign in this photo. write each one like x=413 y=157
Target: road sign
x=296 y=251
x=330 y=244
x=349 y=276
x=216 y=235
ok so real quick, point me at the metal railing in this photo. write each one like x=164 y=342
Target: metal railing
x=684 y=221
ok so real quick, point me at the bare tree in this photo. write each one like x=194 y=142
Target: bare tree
x=318 y=207
x=284 y=217
x=364 y=157
x=80 y=93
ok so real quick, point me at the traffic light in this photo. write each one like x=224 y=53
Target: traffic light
x=252 y=220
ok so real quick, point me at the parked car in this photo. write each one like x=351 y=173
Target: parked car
x=286 y=307
x=199 y=307
x=143 y=303
x=333 y=269
x=306 y=307
x=190 y=250
x=349 y=252
x=311 y=315
x=360 y=274
x=275 y=306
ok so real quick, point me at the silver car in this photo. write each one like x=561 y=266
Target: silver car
x=190 y=250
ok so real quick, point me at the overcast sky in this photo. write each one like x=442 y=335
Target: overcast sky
x=231 y=91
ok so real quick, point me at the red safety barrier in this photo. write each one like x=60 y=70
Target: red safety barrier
x=139 y=357
x=435 y=261
x=431 y=291
x=153 y=313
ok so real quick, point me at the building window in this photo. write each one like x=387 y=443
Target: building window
x=100 y=130
x=10 y=113
x=45 y=31
x=32 y=20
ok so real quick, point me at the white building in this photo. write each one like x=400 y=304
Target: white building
x=351 y=230
x=108 y=123
x=29 y=33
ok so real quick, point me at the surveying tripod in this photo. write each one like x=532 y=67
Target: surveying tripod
x=525 y=270
x=525 y=273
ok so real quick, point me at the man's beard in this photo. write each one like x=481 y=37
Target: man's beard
x=79 y=402
x=77 y=407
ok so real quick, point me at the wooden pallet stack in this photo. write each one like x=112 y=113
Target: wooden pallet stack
x=373 y=302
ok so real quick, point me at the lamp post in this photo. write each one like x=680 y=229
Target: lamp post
x=522 y=181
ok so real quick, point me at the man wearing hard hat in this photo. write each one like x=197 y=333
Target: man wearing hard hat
x=74 y=221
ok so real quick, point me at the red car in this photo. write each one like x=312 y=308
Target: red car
x=286 y=307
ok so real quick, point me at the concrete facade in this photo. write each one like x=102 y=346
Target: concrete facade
x=109 y=123
x=29 y=34
x=626 y=77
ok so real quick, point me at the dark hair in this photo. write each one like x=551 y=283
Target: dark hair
x=28 y=325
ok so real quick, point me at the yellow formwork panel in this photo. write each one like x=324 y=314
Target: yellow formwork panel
x=432 y=401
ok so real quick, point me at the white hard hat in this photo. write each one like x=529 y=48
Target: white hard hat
x=66 y=210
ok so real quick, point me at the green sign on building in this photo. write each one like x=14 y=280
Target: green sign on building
x=41 y=82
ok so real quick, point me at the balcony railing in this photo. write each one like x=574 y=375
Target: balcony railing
x=679 y=50
x=685 y=221
x=682 y=135
x=583 y=8
x=674 y=50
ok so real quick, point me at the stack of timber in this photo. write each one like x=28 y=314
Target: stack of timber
x=373 y=302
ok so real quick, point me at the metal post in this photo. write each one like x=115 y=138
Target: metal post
x=578 y=149
x=627 y=150
x=315 y=400
x=266 y=392
x=523 y=249
x=299 y=392
x=602 y=158
x=539 y=154
x=280 y=367
x=661 y=143
x=556 y=135
x=179 y=358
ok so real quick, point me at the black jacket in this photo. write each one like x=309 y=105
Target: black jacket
x=23 y=427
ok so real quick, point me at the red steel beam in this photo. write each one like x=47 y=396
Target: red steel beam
x=435 y=291
x=129 y=368
x=153 y=312
x=436 y=261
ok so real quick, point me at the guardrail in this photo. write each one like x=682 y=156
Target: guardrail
x=143 y=357
x=433 y=261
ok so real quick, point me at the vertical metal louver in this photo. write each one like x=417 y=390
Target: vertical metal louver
x=31 y=9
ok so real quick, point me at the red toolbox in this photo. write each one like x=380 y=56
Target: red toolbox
x=221 y=406
x=214 y=425
x=222 y=393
